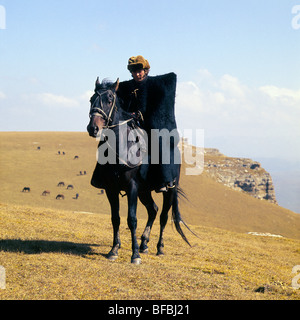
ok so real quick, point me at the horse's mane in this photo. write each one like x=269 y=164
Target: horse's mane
x=105 y=84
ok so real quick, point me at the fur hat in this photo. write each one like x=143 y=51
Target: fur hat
x=136 y=63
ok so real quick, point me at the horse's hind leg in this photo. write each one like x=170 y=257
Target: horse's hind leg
x=152 y=209
x=168 y=200
x=113 y=198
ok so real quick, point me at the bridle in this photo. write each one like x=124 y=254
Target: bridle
x=99 y=111
x=96 y=111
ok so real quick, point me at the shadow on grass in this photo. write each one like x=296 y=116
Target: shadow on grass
x=45 y=246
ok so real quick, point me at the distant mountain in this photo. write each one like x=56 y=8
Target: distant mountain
x=240 y=174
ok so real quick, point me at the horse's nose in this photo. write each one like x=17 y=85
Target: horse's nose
x=96 y=129
x=93 y=130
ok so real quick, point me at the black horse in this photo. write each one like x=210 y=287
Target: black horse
x=106 y=113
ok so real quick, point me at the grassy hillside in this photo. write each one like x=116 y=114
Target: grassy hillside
x=211 y=204
x=56 y=254
x=55 y=249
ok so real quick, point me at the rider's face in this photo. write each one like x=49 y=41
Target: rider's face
x=139 y=75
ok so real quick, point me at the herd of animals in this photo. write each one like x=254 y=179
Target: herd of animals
x=60 y=184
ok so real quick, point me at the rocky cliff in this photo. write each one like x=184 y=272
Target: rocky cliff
x=240 y=174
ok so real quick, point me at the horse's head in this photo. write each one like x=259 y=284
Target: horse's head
x=103 y=103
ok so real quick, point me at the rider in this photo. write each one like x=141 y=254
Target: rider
x=134 y=95
x=134 y=92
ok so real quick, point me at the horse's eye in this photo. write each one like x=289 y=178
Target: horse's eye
x=110 y=97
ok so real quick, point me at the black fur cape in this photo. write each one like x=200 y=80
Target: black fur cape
x=155 y=98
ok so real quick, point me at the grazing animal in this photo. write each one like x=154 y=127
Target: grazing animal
x=60 y=197
x=26 y=189
x=70 y=187
x=106 y=113
x=77 y=196
x=76 y=157
x=61 y=184
x=45 y=193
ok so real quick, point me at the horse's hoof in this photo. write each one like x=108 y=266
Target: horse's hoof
x=112 y=257
x=136 y=261
x=145 y=251
x=160 y=253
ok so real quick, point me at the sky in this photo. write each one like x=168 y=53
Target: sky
x=237 y=63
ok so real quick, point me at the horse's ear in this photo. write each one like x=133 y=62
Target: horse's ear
x=97 y=84
x=116 y=85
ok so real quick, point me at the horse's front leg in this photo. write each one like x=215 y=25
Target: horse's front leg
x=132 y=196
x=113 y=197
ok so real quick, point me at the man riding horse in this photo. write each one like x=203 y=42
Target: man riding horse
x=151 y=100
x=117 y=111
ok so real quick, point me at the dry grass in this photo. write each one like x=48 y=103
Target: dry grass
x=50 y=251
x=51 y=254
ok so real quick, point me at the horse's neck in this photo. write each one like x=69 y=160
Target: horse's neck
x=120 y=127
x=117 y=118
x=120 y=115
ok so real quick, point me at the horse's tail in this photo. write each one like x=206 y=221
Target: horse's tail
x=177 y=216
